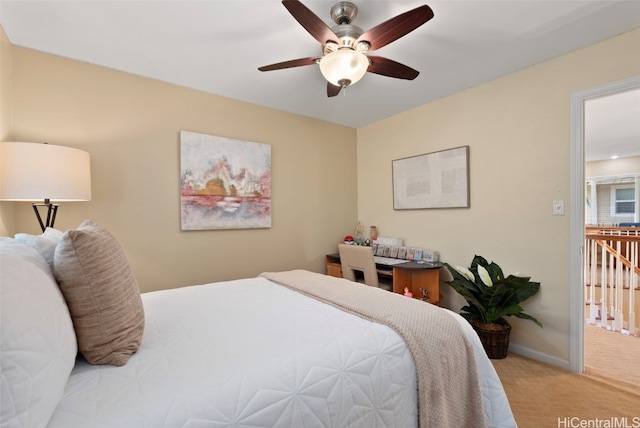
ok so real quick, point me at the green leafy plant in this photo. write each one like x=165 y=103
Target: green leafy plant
x=491 y=296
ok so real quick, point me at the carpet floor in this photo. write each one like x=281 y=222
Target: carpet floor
x=612 y=356
x=546 y=396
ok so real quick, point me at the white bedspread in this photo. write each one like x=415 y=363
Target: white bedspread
x=250 y=353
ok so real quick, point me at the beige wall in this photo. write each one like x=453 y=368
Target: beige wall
x=130 y=126
x=611 y=167
x=518 y=130
x=5 y=85
x=6 y=208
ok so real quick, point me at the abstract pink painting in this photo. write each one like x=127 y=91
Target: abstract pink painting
x=224 y=183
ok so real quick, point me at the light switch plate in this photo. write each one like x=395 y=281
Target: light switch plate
x=558 y=207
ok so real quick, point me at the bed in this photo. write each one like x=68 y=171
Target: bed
x=253 y=352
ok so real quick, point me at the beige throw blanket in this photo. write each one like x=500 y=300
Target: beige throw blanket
x=448 y=390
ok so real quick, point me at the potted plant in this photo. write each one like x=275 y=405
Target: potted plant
x=491 y=297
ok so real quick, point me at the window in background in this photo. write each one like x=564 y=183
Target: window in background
x=623 y=201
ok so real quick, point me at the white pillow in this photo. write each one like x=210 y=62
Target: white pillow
x=37 y=341
x=45 y=243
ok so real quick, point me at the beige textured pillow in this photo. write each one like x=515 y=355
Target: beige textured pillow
x=102 y=294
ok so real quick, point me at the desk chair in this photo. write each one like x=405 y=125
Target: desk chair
x=358 y=257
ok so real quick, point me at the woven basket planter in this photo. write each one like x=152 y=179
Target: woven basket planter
x=494 y=338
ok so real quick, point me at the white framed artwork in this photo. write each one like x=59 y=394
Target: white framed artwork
x=432 y=180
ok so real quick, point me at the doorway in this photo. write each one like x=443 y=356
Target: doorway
x=577 y=218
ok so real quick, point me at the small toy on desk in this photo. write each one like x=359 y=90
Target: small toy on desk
x=425 y=295
x=407 y=292
x=359 y=231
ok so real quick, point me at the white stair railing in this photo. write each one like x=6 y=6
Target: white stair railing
x=612 y=265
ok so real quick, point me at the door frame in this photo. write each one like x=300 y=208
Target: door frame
x=577 y=224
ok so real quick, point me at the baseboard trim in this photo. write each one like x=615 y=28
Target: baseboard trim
x=540 y=356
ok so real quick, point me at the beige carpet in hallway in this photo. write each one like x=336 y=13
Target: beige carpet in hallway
x=613 y=356
x=545 y=396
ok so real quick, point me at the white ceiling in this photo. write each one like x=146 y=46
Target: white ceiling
x=217 y=46
x=612 y=126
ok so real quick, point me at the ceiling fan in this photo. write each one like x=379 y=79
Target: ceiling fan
x=344 y=62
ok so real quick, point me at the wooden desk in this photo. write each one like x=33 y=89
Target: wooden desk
x=412 y=275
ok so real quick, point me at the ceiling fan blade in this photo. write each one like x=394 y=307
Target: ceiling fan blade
x=401 y=25
x=289 y=64
x=390 y=68
x=310 y=21
x=333 y=90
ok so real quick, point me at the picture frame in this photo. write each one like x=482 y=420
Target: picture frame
x=402 y=252
x=410 y=253
x=394 y=252
x=432 y=180
x=224 y=183
x=387 y=251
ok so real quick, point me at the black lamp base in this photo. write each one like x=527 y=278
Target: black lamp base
x=52 y=210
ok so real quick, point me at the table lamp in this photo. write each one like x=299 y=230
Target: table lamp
x=44 y=172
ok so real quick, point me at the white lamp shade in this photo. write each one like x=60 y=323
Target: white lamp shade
x=344 y=67
x=37 y=171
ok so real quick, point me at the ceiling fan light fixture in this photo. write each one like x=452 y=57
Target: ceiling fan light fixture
x=344 y=67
